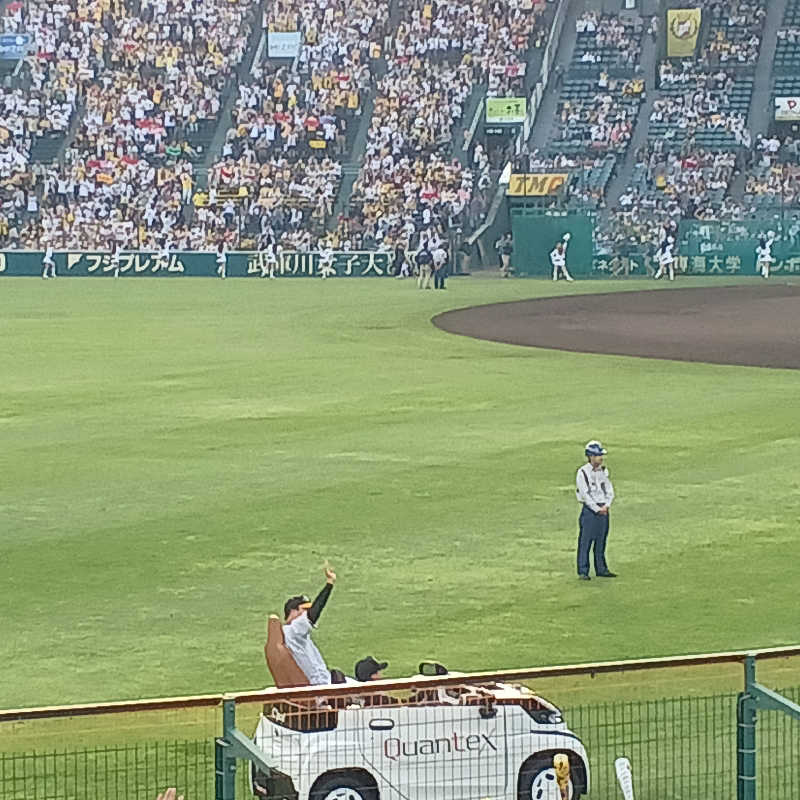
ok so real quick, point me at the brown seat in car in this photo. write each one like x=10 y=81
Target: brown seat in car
x=280 y=661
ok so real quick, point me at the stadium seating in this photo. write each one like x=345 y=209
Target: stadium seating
x=437 y=57
x=292 y=128
x=710 y=109
x=151 y=95
x=598 y=105
x=734 y=32
x=123 y=127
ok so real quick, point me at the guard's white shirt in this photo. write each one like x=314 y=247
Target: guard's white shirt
x=593 y=487
x=558 y=259
x=297 y=635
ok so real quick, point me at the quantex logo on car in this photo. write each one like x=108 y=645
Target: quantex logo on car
x=394 y=748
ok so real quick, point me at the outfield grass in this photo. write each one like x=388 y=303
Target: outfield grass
x=179 y=456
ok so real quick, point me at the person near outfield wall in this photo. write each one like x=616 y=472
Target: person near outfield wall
x=424 y=261
x=764 y=257
x=439 y=267
x=48 y=263
x=595 y=493
x=116 y=251
x=222 y=260
x=505 y=247
x=558 y=258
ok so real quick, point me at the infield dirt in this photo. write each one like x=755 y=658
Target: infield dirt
x=756 y=326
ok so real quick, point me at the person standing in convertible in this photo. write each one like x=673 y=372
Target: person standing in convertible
x=301 y=618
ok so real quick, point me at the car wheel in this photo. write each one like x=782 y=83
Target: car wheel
x=538 y=782
x=347 y=786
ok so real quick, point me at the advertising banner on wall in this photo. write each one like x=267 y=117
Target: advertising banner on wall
x=283 y=44
x=787 y=109
x=506 y=110
x=241 y=264
x=14 y=46
x=528 y=184
x=683 y=26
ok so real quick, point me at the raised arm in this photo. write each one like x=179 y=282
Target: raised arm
x=322 y=598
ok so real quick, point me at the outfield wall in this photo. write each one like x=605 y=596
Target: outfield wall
x=703 y=247
x=241 y=264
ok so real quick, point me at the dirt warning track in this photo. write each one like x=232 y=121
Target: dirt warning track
x=756 y=326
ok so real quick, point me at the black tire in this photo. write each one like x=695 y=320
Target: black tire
x=527 y=777
x=344 y=786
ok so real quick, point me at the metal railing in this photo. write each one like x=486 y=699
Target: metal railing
x=690 y=746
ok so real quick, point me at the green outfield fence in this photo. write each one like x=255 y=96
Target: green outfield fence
x=709 y=248
x=723 y=745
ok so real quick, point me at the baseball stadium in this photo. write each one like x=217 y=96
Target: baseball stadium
x=399 y=399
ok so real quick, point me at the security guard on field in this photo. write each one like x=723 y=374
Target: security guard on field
x=595 y=494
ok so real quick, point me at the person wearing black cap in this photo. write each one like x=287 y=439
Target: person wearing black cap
x=595 y=494
x=368 y=669
x=301 y=616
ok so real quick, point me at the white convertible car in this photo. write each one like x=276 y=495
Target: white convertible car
x=465 y=742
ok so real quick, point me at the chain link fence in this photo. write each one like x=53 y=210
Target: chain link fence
x=453 y=738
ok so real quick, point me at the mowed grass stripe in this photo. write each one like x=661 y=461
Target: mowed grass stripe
x=182 y=457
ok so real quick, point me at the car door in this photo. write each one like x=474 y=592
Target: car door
x=450 y=752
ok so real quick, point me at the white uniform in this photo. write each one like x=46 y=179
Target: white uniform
x=559 y=261
x=115 y=251
x=48 y=263
x=162 y=258
x=326 y=262
x=268 y=258
x=222 y=263
x=666 y=261
x=764 y=257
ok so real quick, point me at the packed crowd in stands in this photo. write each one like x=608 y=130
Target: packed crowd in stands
x=130 y=92
x=148 y=86
x=292 y=128
x=774 y=177
x=438 y=55
x=694 y=101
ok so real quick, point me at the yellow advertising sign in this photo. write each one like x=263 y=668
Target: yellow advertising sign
x=683 y=25
x=536 y=184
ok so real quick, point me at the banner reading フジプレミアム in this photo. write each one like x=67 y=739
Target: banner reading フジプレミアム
x=683 y=26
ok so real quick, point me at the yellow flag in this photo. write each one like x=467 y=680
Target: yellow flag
x=683 y=25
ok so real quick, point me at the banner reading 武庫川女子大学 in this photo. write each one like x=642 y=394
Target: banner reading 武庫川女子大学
x=240 y=264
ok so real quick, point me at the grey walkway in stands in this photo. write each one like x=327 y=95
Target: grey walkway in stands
x=225 y=118
x=649 y=64
x=355 y=158
x=761 y=105
x=761 y=109
x=543 y=126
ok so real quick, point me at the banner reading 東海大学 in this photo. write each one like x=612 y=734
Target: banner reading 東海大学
x=198 y=264
x=683 y=26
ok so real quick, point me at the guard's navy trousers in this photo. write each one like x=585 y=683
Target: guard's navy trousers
x=593 y=532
